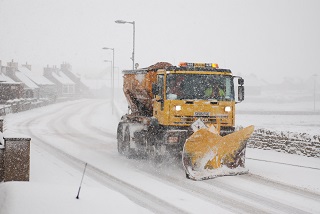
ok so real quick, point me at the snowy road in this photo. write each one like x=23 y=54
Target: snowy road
x=84 y=131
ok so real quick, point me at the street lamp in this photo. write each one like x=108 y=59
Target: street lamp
x=133 y=24
x=314 y=92
x=112 y=76
x=111 y=69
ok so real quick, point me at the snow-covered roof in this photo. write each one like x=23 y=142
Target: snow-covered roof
x=5 y=79
x=28 y=82
x=38 y=79
x=62 y=78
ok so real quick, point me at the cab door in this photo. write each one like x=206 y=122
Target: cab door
x=158 y=103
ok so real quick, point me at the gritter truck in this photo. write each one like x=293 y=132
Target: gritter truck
x=186 y=111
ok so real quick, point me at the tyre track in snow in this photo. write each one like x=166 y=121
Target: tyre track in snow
x=271 y=205
x=276 y=162
x=240 y=200
x=215 y=191
x=281 y=186
x=137 y=195
x=212 y=197
x=233 y=198
x=43 y=112
x=61 y=125
x=253 y=200
x=67 y=127
x=98 y=131
x=70 y=135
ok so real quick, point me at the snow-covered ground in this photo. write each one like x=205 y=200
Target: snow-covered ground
x=53 y=188
x=54 y=181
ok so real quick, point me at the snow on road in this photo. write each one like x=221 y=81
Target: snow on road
x=85 y=129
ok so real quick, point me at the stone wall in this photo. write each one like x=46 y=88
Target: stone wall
x=15 y=159
x=288 y=142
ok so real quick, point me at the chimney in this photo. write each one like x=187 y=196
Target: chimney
x=47 y=70
x=66 y=66
x=12 y=64
x=27 y=66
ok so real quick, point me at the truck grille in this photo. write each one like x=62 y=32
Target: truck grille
x=206 y=119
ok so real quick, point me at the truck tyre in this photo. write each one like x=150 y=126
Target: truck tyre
x=127 y=151
x=152 y=152
x=120 y=140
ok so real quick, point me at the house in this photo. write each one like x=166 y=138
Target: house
x=31 y=89
x=9 y=89
x=65 y=86
x=80 y=87
x=47 y=89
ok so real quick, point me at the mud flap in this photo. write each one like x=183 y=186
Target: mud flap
x=207 y=155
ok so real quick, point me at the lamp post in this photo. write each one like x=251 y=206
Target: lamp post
x=133 y=24
x=118 y=72
x=314 y=92
x=111 y=70
x=112 y=76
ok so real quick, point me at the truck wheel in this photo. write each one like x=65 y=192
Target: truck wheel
x=127 y=151
x=153 y=154
x=120 y=139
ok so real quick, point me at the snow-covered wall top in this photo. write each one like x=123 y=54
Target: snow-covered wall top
x=288 y=142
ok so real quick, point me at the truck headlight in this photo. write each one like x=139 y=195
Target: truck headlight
x=178 y=108
x=227 y=109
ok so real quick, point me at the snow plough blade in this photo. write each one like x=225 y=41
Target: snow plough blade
x=208 y=155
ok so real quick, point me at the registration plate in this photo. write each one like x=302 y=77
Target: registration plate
x=173 y=139
x=201 y=114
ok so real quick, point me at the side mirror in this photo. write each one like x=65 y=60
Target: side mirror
x=241 y=81
x=155 y=89
x=240 y=93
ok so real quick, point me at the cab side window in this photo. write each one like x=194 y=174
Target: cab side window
x=160 y=85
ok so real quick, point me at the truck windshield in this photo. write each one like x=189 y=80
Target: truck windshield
x=199 y=86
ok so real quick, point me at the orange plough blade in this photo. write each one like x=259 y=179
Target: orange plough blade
x=208 y=155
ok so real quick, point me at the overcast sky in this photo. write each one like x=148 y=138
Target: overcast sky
x=268 y=38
